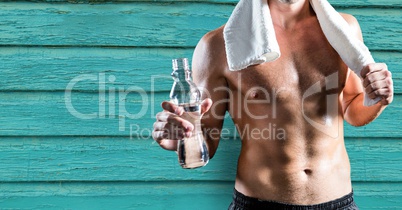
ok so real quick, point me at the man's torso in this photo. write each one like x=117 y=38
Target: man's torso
x=289 y=117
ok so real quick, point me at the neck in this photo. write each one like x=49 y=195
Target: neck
x=286 y=13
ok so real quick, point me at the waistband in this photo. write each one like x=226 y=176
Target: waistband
x=246 y=202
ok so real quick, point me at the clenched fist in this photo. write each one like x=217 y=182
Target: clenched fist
x=377 y=82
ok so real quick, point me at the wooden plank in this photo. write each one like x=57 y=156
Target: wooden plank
x=124 y=114
x=151 y=24
x=121 y=195
x=54 y=113
x=124 y=159
x=51 y=69
x=160 y=195
x=140 y=24
x=333 y=2
x=365 y=158
x=378 y=195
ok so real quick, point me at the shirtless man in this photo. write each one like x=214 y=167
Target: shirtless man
x=307 y=165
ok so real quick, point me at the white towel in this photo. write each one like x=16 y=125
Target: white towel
x=250 y=37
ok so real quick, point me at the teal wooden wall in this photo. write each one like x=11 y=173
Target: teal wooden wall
x=113 y=58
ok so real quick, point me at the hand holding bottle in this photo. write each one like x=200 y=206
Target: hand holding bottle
x=170 y=126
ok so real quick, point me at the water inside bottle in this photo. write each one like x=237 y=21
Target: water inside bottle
x=192 y=151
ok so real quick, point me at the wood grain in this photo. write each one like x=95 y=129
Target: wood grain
x=152 y=24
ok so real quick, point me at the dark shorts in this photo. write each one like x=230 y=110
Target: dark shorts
x=243 y=202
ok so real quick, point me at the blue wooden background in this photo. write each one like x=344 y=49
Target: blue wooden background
x=82 y=80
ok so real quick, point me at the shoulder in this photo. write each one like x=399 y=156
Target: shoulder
x=214 y=39
x=210 y=51
x=353 y=23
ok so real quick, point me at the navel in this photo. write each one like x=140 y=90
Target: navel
x=308 y=171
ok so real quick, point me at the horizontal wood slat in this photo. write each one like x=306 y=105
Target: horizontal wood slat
x=53 y=68
x=125 y=159
x=152 y=24
x=43 y=68
x=117 y=195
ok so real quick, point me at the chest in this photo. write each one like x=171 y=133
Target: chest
x=307 y=61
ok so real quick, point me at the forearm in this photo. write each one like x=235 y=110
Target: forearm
x=357 y=114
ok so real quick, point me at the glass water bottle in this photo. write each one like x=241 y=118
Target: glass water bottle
x=192 y=151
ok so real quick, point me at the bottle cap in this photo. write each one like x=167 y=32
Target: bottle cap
x=180 y=63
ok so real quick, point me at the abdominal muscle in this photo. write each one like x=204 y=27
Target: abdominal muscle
x=303 y=166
